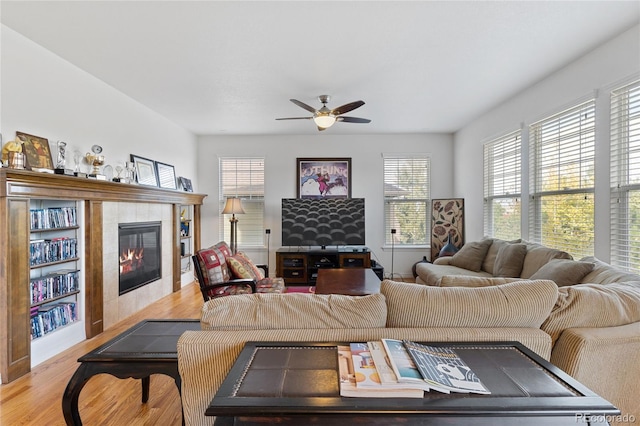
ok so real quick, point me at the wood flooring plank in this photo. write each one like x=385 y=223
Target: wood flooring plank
x=36 y=398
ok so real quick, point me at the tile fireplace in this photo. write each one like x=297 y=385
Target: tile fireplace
x=139 y=256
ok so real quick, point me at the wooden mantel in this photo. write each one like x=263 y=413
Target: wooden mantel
x=17 y=188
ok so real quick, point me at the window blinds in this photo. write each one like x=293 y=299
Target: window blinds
x=243 y=178
x=502 y=186
x=562 y=156
x=625 y=177
x=406 y=199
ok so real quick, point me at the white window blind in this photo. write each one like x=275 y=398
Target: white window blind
x=562 y=180
x=406 y=199
x=243 y=178
x=625 y=177
x=502 y=186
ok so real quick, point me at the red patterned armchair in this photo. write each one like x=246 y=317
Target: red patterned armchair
x=220 y=273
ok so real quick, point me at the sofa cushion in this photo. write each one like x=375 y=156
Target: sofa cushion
x=432 y=273
x=472 y=281
x=509 y=260
x=471 y=255
x=594 y=305
x=563 y=271
x=603 y=273
x=241 y=266
x=294 y=311
x=537 y=256
x=522 y=303
x=490 y=259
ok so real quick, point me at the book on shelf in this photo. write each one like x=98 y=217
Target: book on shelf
x=443 y=369
x=349 y=379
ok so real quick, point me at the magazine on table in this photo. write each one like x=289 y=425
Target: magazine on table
x=402 y=363
x=443 y=369
x=349 y=378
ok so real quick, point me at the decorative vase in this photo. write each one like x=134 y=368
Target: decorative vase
x=449 y=249
x=413 y=269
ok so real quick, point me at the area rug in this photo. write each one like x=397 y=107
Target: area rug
x=301 y=289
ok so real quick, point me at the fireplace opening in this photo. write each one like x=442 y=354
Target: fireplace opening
x=140 y=257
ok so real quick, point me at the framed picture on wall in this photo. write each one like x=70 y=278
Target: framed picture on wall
x=145 y=170
x=447 y=224
x=323 y=177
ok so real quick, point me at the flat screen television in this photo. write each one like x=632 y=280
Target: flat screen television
x=323 y=222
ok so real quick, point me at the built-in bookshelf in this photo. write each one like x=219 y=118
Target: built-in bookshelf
x=186 y=241
x=55 y=278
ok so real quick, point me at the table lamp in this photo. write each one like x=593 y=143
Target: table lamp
x=233 y=207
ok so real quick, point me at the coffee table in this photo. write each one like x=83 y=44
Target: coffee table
x=349 y=281
x=149 y=347
x=297 y=383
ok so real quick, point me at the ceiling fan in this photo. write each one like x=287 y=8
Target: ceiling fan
x=325 y=117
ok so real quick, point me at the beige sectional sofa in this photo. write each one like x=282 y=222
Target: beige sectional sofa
x=602 y=351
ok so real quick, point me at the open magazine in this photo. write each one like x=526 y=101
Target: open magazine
x=443 y=369
x=352 y=379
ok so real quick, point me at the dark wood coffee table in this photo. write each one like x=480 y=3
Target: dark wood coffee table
x=149 y=347
x=298 y=383
x=349 y=281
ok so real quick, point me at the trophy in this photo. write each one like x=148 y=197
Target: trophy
x=130 y=175
x=96 y=160
x=61 y=160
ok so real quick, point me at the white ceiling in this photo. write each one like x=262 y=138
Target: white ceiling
x=229 y=67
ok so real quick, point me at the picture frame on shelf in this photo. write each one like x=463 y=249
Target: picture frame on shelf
x=185 y=184
x=36 y=151
x=166 y=175
x=323 y=177
x=447 y=219
x=145 y=171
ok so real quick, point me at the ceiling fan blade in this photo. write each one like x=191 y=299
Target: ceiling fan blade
x=353 y=119
x=303 y=105
x=295 y=118
x=347 y=107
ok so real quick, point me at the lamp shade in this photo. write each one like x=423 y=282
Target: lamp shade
x=324 y=121
x=233 y=206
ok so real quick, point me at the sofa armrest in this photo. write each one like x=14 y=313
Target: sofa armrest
x=239 y=282
x=265 y=268
x=446 y=260
x=606 y=360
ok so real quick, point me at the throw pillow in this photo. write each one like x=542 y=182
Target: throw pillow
x=563 y=271
x=594 y=305
x=242 y=267
x=277 y=311
x=213 y=265
x=521 y=303
x=509 y=260
x=538 y=256
x=471 y=255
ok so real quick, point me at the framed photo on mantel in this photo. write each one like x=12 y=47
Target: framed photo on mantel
x=145 y=171
x=323 y=177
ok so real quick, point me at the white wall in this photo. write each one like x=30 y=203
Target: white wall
x=44 y=95
x=365 y=151
x=598 y=72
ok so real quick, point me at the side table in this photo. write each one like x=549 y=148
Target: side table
x=149 y=347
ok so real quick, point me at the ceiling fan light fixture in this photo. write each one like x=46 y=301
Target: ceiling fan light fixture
x=325 y=120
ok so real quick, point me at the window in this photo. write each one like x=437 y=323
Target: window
x=243 y=178
x=406 y=199
x=561 y=209
x=502 y=188
x=625 y=177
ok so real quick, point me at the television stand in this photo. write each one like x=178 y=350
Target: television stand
x=299 y=266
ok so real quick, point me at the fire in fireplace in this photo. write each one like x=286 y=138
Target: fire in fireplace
x=140 y=254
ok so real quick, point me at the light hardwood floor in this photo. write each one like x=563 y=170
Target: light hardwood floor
x=36 y=399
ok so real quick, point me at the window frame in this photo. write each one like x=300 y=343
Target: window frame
x=250 y=189
x=390 y=185
x=554 y=136
x=625 y=174
x=499 y=155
